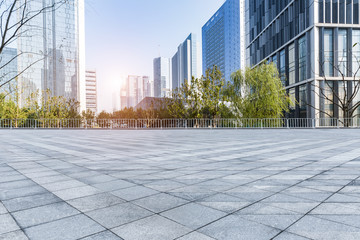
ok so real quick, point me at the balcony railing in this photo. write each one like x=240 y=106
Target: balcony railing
x=180 y=123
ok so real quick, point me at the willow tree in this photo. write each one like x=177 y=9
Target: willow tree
x=258 y=93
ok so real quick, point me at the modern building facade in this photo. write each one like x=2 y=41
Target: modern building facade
x=162 y=77
x=223 y=39
x=186 y=62
x=134 y=91
x=8 y=71
x=54 y=52
x=309 y=41
x=91 y=90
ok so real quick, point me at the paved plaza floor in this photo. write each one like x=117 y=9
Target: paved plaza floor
x=179 y=184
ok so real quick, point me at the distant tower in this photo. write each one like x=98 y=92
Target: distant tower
x=162 y=77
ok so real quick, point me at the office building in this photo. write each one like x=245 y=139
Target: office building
x=308 y=40
x=162 y=77
x=134 y=91
x=8 y=71
x=223 y=39
x=54 y=51
x=91 y=90
x=186 y=62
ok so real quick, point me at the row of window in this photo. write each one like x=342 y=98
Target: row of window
x=339 y=11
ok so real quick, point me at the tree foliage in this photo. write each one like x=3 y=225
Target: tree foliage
x=258 y=93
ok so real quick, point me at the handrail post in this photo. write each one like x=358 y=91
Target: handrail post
x=136 y=125
x=287 y=123
x=261 y=123
x=161 y=123
x=313 y=123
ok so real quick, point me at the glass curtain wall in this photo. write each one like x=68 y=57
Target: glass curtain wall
x=342 y=52
x=328 y=61
x=302 y=59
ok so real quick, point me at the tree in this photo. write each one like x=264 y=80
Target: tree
x=16 y=21
x=258 y=93
x=212 y=92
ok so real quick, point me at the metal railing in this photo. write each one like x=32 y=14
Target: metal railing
x=179 y=123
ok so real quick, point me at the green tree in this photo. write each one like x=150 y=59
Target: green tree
x=212 y=93
x=258 y=93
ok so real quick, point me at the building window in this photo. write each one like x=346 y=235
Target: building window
x=292 y=64
x=356 y=12
x=302 y=58
x=327 y=103
x=341 y=11
x=321 y=11
x=328 y=61
x=328 y=11
x=282 y=67
x=335 y=11
x=356 y=53
x=292 y=97
x=348 y=11
x=302 y=101
x=342 y=52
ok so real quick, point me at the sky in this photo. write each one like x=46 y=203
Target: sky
x=124 y=36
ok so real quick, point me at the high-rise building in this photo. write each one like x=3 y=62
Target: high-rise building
x=186 y=62
x=162 y=77
x=223 y=39
x=91 y=90
x=309 y=41
x=8 y=70
x=135 y=90
x=54 y=51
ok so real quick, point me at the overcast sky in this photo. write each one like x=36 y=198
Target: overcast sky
x=124 y=36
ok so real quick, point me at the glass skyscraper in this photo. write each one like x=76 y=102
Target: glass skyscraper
x=186 y=62
x=309 y=41
x=52 y=50
x=162 y=77
x=8 y=70
x=222 y=36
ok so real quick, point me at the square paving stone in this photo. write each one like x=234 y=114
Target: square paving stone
x=195 y=235
x=43 y=214
x=289 y=236
x=106 y=235
x=113 y=185
x=235 y=227
x=7 y=224
x=193 y=215
x=77 y=192
x=153 y=227
x=133 y=193
x=117 y=215
x=70 y=228
x=16 y=235
x=160 y=202
x=56 y=186
x=93 y=202
x=22 y=203
x=316 y=228
x=21 y=192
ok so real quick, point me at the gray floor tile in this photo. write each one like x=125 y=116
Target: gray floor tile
x=70 y=228
x=117 y=215
x=235 y=227
x=76 y=192
x=22 y=203
x=106 y=235
x=160 y=202
x=7 y=224
x=133 y=193
x=153 y=227
x=316 y=228
x=43 y=214
x=193 y=215
x=16 y=235
x=93 y=202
